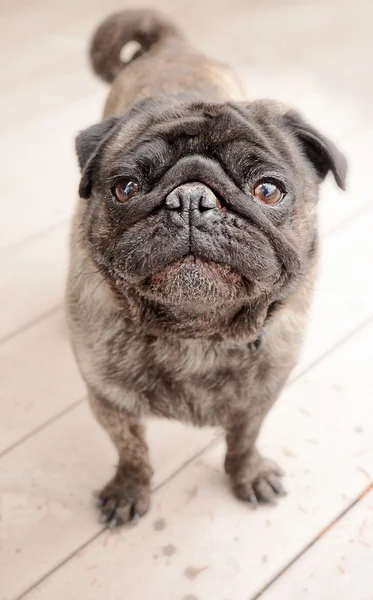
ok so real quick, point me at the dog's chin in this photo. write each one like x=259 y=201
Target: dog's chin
x=193 y=298
x=196 y=284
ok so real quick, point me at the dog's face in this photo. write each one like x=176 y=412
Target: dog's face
x=203 y=215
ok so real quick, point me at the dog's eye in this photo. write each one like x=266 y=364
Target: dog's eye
x=268 y=193
x=125 y=189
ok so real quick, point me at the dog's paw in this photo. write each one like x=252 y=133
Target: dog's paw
x=259 y=482
x=120 y=503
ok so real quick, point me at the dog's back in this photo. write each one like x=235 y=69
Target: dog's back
x=162 y=64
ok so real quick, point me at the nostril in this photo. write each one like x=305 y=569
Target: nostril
x=173 y=202
x=207 y=202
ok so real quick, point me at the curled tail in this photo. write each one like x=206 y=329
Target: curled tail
x=144 y=27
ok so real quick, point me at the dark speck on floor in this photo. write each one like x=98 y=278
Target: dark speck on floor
x=168 y=550
x=159 y=524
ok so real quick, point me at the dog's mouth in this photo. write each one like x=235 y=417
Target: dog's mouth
x=191 y=280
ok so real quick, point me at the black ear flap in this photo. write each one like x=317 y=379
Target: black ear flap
x=88 y=144
x=320 y=151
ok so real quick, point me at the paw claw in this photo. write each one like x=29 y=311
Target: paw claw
x=252 y=498
x=103 y=518
x=135 y=519
x=112 y=523
x=276 y=484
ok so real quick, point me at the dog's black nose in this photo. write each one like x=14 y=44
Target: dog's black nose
x=191 y=197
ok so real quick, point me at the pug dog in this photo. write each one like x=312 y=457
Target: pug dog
x=193 y=253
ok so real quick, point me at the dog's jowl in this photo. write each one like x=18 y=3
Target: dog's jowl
x=193 y=253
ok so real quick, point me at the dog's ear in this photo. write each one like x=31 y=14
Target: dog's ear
x=319 y=150
x=88 y=145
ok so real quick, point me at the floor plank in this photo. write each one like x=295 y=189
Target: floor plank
x=32 y=279
x=49 y=382
x=339 y=565
x=321 y=432
x=45 y=193
x=343 y=292
x=47 y=483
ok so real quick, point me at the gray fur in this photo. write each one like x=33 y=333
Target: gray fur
x=169 y=293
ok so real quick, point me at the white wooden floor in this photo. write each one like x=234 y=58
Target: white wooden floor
x=198 y=542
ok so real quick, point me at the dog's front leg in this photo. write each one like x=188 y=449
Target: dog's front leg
x=128 y=493
x=254 y=477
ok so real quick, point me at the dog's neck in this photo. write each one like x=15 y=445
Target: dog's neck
x=241 y=325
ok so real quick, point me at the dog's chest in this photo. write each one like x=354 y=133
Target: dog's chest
x=191 y=381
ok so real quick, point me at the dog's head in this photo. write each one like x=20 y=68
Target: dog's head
x=202 y=216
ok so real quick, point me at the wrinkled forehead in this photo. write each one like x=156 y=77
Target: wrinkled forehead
x=202 y=128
